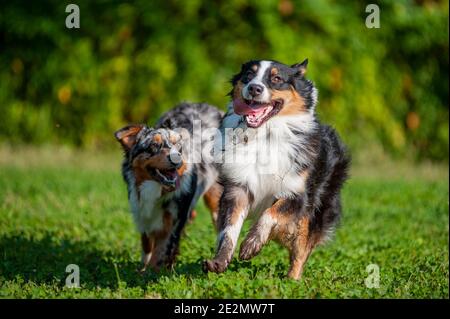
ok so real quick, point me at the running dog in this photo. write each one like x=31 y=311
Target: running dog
x=163 y=183
x=294 y=194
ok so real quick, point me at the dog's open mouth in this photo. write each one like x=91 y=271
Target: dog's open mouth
x=257 y=113
x=166 y=177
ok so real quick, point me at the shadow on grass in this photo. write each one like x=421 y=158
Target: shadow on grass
x=44 y=261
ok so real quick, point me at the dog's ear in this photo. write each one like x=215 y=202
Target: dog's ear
x=127 y=136
x=235 y=78
x=300 y=67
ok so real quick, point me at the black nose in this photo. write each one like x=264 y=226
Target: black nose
x=255 y=89
x=175 y=159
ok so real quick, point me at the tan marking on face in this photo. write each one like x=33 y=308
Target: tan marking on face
x=157 y=138
x=254 y=67
x=274 y=71
x=182 y=168
x=142 y=161
x=293 y=102
x=159 y=161
x=174 y=138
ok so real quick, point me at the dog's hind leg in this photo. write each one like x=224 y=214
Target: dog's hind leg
x=212 y=198
x=234 y=206
x=301 y=247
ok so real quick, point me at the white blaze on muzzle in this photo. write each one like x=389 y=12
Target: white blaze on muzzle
x=258 y=80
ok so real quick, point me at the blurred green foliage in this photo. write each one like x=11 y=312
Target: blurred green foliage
x=130 y=61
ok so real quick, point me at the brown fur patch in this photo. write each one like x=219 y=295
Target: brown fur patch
x=142 y=161
x=277 y=213
x=296 y=236
x=159 y=237
x=147 y=243
x=293 y=102
x=274 y=71
x=254 y=67
x=212 y=198
x=127 y=135
x=157 y=138
x=182 y=169
x=159 y=161
x=303 y=229
x=141 y=175
x=174 y=138
x=301 y=248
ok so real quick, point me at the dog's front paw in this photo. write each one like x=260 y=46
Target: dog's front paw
x=215 y=265
x=249 y=248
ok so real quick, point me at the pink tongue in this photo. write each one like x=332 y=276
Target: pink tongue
x=242 y=108
x=171 y=174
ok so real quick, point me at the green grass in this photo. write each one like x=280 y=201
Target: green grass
x=62 y=207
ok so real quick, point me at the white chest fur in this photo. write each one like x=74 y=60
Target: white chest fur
x=146 y=202
x=265 y=163
x=146 y=207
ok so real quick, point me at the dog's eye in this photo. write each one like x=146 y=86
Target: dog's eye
x=155 y=146
x=277 y=79
x=248 y=76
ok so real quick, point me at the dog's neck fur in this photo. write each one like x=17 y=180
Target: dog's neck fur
x=282 y=142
